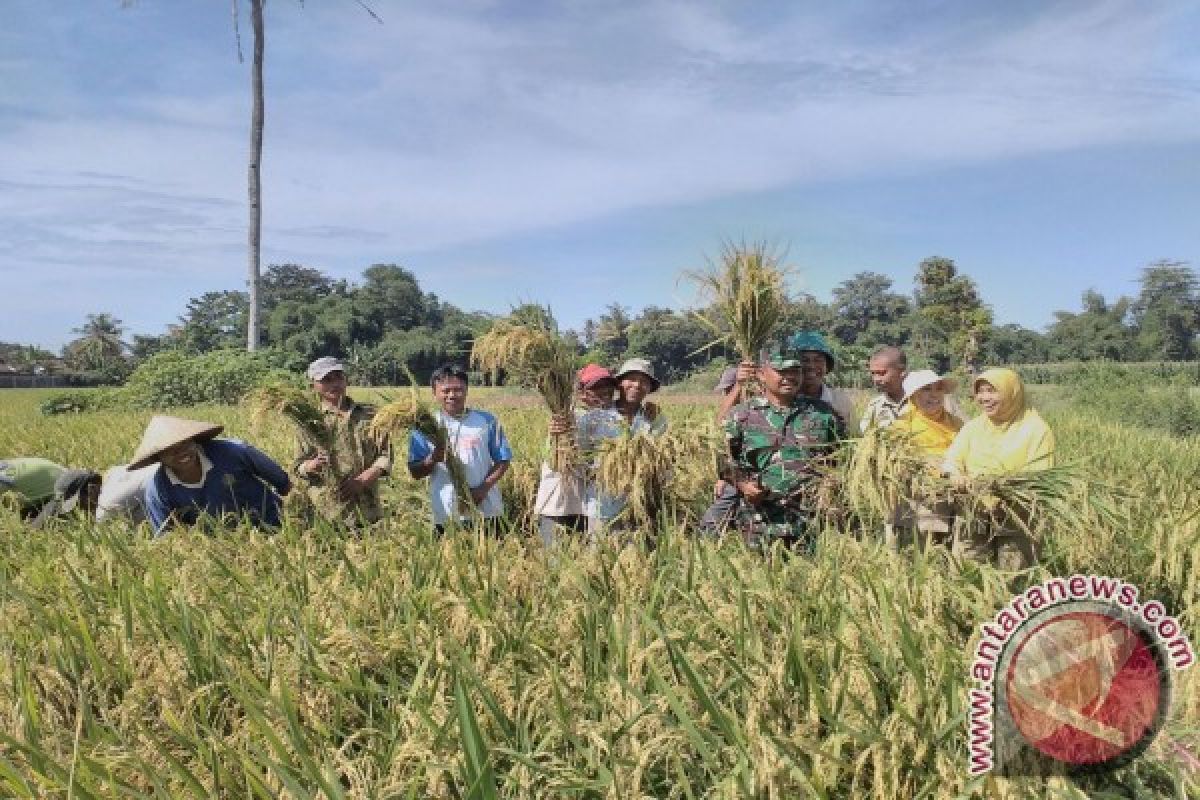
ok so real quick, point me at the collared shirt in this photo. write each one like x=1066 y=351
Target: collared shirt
x=205 y=466
x=882 y=411
x=240 y=480
x=609 y=424
x=777 y=446
x=356 y=451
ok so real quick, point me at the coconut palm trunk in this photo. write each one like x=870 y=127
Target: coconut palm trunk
x=255 y=173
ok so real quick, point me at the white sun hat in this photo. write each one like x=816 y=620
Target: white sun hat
x=165 y=432
x=921 y=378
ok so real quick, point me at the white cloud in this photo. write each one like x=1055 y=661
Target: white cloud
x=456 y=123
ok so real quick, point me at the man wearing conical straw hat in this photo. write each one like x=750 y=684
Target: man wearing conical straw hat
x=201 y=474
x=360 y=457
x=774 y=441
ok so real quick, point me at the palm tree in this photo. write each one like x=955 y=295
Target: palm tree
x=99 y=343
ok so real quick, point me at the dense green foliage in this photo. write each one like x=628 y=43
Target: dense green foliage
x=387 y=324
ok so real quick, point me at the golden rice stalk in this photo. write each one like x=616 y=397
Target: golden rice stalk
x=885 y=469
x=297 y=406
x=1034 y=501
x=532 y=351
x=746 y=296
x=644 y=468
x=396 y=417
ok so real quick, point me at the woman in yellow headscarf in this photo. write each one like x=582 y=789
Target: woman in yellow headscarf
x=927 y=424
x=1010 y=437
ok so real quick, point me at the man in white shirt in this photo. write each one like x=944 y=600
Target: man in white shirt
x=888 y=366
x=478 y=441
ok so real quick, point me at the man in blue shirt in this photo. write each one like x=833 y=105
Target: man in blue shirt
x=200 y=474
x=476 y=439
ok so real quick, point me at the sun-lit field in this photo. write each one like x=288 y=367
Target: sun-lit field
x=313 y=663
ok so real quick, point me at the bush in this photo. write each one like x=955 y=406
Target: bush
x=73 y=402
x=1145 y=373
x=173 y=378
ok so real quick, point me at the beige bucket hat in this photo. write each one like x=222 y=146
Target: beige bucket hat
x=641 y=365
x=165 y=432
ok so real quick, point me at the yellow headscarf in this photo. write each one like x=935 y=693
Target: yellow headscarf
x=1017 y=440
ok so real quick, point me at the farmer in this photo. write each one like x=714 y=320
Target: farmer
x=43 y=489
x=1010 y=437
x=562 y=499
x=887 y=366
x=482 y=448
x=774 y=441
x=123 y=493
x=359 y=456
x=200 y=474
x=731 y=387
x=927 y=424
x=634 y=414
x=635 y=381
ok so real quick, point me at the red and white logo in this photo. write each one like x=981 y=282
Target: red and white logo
x=1085 y=684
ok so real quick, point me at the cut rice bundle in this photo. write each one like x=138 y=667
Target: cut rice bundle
x=535 y=355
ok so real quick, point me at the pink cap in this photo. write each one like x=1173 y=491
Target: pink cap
x=592 y=374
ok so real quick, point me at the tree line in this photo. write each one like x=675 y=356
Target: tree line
x=386 y=326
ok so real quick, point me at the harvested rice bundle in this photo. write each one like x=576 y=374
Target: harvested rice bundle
x=1034 y=501
x=885 y=469
x=642 y=468
x=297 y=406
x=301 y=410
x=532 y=351
x=396 y=417
x=747 y=297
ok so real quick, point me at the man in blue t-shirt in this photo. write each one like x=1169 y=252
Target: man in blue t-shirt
x=478 y=442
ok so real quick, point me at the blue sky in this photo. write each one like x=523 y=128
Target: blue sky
x=584 y=153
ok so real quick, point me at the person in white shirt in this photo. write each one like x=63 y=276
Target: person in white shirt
x=888 y=366
x=481 y=446
x=123 y=493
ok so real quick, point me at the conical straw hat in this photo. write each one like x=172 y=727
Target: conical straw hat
x=165 y=432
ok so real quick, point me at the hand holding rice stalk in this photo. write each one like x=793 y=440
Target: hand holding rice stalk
x=641 y=466
x=530 y=349
x=301 y=409
x=1035 y=500
x=396 y=417
x=747 y=298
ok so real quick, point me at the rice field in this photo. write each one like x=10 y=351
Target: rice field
x=394 y=665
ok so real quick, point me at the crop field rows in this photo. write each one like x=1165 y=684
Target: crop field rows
x=313 y=663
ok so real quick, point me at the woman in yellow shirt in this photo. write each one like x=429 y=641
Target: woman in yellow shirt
x=927 y=424
x=1009 y=437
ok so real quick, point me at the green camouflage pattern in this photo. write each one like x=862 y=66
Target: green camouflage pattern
x=779 y=448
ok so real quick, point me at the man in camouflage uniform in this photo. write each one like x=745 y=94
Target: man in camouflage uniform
x=359 y=458
x=774 y=440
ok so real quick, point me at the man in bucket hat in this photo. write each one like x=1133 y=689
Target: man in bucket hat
x=361 y=457
x=200 y=474
x=774 y=442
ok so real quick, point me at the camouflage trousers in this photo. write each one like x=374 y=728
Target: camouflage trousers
x=762 y=527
